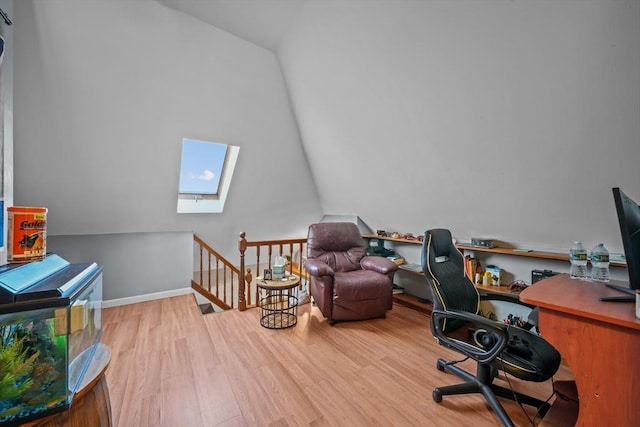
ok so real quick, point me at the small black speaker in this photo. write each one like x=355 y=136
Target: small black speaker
x=537 y=275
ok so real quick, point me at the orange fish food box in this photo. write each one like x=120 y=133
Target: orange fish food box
x=27 y=239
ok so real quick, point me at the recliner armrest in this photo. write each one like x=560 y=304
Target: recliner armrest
x=378 y=264
x=483 y=355
x=318 y=268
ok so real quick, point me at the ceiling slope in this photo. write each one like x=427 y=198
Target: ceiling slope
x=262 y=22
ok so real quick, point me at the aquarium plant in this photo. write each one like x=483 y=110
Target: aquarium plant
x=32 y=368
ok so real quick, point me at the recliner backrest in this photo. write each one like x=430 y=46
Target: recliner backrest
x=339 y=244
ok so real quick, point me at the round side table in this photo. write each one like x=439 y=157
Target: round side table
x=278 y=302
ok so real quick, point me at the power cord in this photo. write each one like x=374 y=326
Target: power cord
x=515 y=397
x=454 y=362
x=564 y=396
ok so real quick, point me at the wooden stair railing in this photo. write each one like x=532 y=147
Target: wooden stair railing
x=231 y=287
x=294 y=250
x=226 y=276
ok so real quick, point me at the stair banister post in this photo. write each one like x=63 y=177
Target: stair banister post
x=242 y=247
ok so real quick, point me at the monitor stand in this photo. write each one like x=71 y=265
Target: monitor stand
x=624 y=298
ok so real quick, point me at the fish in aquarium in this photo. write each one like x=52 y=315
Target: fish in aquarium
x=33 y=374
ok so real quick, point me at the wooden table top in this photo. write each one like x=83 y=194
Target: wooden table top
x=287 y=283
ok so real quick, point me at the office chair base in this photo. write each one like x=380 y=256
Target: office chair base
x=482 y=383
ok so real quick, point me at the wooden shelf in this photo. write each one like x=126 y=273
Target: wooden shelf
x=403 y=267
x=502 y=289
x=392 y=239
x=529 y=254
x=555 y=256
x=413 y=302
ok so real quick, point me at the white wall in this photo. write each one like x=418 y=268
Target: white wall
x=105 y=91
x=503 y=119
x=133 y=263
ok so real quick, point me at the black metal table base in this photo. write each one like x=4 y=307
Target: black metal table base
x=278 y=310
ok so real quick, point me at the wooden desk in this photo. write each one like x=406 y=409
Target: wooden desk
x=600 y=342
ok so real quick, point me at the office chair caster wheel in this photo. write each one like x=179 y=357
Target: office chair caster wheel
x=437 y=396
x=440 y=365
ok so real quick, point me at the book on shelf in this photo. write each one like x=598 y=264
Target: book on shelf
x=472 y=267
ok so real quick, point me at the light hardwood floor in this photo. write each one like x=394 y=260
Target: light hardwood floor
x=173 y=367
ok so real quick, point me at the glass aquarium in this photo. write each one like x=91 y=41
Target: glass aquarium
x=47 y=344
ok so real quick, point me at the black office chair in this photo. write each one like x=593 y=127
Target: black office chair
x=494 y=346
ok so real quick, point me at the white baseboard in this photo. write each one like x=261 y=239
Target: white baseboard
x=147 y=297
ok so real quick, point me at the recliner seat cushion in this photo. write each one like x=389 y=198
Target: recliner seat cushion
x=360 y=285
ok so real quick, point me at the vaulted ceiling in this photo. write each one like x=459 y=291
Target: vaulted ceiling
x=473 y=96
x=262 y=22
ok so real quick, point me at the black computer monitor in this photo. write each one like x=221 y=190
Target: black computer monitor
x=629 y=220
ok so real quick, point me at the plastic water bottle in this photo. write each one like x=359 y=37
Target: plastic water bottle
x=599 y=263
x=578 y=258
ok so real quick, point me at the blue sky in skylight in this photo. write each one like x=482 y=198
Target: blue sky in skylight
x=201 y=166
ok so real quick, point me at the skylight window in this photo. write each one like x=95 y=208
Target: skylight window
x=202 y=166
x=206 y=169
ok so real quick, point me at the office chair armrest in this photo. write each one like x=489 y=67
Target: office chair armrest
x=318 y=268
x=378 y=264
x=510 y=298
x=498 y=331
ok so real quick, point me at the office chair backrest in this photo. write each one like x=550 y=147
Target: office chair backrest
x=339 y=244
x=443 y=265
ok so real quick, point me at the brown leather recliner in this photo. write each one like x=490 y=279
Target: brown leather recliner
x=346 y=284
